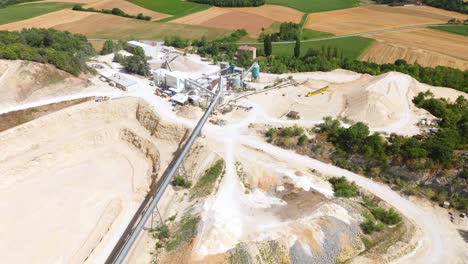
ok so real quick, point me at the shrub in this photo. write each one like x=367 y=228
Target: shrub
x=163 y=231
x=181 y=182
x=343 y=188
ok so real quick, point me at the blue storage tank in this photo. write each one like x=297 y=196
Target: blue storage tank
x=256 y=70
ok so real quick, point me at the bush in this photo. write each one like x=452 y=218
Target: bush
x=343 y=188
x=163 y=231
x=371 y=225
x=181 y=182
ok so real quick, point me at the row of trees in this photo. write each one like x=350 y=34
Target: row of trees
x=65 y=50
x=452 y=5
x=288 y=31
x=231 y=3
x=113 y=11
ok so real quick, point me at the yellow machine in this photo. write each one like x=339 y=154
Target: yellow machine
x=321 y=90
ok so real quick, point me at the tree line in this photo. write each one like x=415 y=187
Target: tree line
x=65 y=50
x=451 y=5
x=5 y=3
x=288 y=31
x=114 y=11
x=231 y=3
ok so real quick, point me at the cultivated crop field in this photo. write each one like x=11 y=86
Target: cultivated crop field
x=351 y=47
x=176 y=8
x=97 y=25
x=25 y=11
x=427 y=47
x=313 y=6
x=378 y=17
x=127 y=7
x=252 y=19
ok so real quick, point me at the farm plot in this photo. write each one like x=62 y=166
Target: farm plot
x=377 y=17
x=98 y=25
x=351 y=47
x=424 y=46
x=460 y=30
x=25 y=11
x=253 y=20
x=314 y=6
x=176 y=8
x=128 y=8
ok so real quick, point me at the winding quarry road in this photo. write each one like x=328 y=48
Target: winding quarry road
x=432 y=246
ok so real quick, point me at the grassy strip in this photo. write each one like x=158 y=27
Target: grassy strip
x=185 y=232
x=176 y=8
x=459 y=30
x=351 y=47
x=206 y=183
x=312 y=34
x=25 y=11
x=315 y=6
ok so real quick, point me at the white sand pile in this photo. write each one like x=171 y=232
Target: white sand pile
x=70 y=182
x=383 y=102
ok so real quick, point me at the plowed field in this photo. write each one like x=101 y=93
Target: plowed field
x=377 y=17
x=427 y=47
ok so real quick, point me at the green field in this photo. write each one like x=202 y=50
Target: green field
x=460 y=30
x=314 y=6
x=176 y=8
x=24 y=11
x=312 y=34
x=352 y=47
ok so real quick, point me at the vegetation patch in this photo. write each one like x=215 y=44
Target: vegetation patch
x=460 y=30
x=206 y=183
x=65 y=50
x=403 y=162
x=15 y=13
x=231 y=3
x=176 y=8
x=343 y=188
x=184 y=233
x=308 y=6
x=113 y=11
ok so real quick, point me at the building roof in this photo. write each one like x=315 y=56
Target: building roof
x=137 y=43
x=249 y=48
x=180 y=98
x=121 y=80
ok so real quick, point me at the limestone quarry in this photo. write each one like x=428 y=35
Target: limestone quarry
x=71 y=181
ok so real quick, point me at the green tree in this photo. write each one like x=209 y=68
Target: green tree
x=108 y=47
x=297 y=48
x=267 y=46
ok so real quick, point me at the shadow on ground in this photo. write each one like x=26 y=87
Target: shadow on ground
x=463 y=234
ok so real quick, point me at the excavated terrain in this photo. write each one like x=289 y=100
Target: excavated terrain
x=77 y=176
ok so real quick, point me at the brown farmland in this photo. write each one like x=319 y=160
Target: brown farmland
x=377 y=17
x=252 y=19
x=127 y=7
x=97 y=25
x=425 y=46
